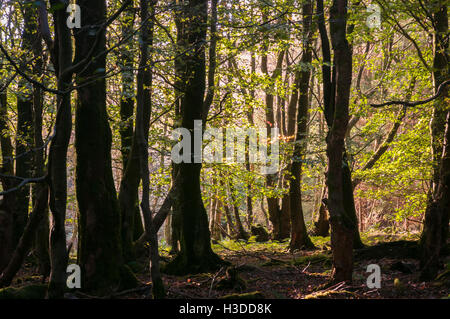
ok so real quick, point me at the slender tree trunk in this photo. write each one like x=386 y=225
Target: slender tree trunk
x=322 y=226
x=280 y=221
x=24 y=133
x=299 y=234
x=132 y=227
x=57 y=164
x=229 y=218
x=8 y=202
x=41 y=240
x=241 y=233
x=215 y=220
x=248 y=166
x=342 y=228
x=143 y=114
x=128 y=90
x=26 y=240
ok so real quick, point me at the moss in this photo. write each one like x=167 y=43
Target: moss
x=397 y=249
x=274 y=262
x=127 y=278
x=313 y=259
x=443 y=279
x=232 y=280
x=248 y=295
x=182 y=265
x=329 y=294
x=136 y=267
x=260 y=234
x=26 y=292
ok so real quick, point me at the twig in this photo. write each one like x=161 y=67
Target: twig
x=212 y=281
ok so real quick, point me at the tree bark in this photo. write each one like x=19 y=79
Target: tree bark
x=299 y=234
x=436 y=224
x=196 y=254
x=342 y=227
x=279 y=218
x=143 y=114
x=26 y=240
x=8 y=202
x=24 y=133
x=99 y=249
x=41 y=240
x=57 y=164
x=132 y=227
x=240 y=231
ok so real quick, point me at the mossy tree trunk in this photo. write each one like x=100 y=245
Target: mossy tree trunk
x=349 y=201
x=143 y=114
x=99 y=250
x=435 y=232
x=26 y=240
x=299 y=234
x=337 y=115
x=128 y=194
x=196 y=254
x=41 y=242
x=57 y=163
x=8 y=202
x=24 y=134
x=128 y=93
x=330 y=101
x=279 y=218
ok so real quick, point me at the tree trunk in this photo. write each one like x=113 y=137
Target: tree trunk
x=26 y=240
x=41 y=242
x=299 y=234
x=322 y=226
x=342 y=227
x=128 y=90
x=132 y=227
x=24 y=134
x=143 y=114
x=349 y=201
x=196 y=254
x=8 y=202
x=279 y=219
x=435 y=232
x=57 y=164
x=99 y=253
x=330 y=99
x=240 y=231
x=248 y=166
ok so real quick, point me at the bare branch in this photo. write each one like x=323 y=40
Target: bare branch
x=416 y=103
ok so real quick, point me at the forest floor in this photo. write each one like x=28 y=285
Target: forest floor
x=273 y=272
x=269 y=270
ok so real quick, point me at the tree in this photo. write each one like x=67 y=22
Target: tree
x=435 y=232
x=99 y=251
x=196 y=254
x=24 y=136
x=299 y=234
x=342 y=227
x=61 y=52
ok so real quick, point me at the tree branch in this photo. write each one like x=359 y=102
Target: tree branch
x=416 y=103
